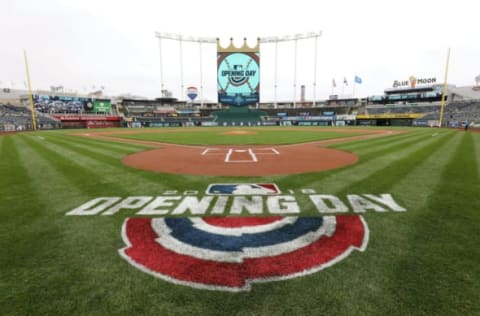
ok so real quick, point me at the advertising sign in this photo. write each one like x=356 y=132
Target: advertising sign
x=102 y=106
x=192 y=93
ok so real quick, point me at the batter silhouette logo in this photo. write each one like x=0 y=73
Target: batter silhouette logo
x=232 y=253
x=243 y=189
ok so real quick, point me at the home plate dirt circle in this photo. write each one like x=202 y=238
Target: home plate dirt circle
x=240 y=160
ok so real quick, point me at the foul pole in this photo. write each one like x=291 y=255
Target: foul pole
x=30 y=96
x=444 y=90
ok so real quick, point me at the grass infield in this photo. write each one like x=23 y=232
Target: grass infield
x=425 y=261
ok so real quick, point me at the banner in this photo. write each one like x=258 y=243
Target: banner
x=60 y=103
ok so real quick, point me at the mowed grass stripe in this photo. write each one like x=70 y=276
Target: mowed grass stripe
x=382 y=180
x=339 y=180
x=389 y=232
x=112 y=171
x=369 y=152
x=136 y=182
x=476 y=145
x=111 y=145
x=371 y=268
x=376 y=141
x=27 y=238
x=114 y=164
x=144 y=181
x=52 y=187
x=14 y=184
x=70 y=251
x=90 y=181
x=92 y=148
x=443 y=245
x=425 y=176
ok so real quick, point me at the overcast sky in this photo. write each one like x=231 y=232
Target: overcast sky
x=84 y=43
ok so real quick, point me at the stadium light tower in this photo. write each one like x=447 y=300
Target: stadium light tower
x=181 y=38
x=315 y=70
x=295 y=38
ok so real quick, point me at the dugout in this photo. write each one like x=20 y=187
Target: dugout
x=387 y=119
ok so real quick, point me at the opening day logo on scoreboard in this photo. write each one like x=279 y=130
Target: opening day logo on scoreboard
x=238 y=74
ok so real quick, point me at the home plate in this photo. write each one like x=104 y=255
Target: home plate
x=240 y=155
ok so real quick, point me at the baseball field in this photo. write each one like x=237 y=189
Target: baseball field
x=240 y=221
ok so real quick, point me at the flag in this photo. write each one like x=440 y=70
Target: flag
x=358 y=80
x=334 y=84
x=345 y=81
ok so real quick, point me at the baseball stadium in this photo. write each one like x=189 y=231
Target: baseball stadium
x=115 y=205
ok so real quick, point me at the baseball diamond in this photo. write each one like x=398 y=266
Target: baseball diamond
x=240 y=160
x=209 y=218
x=327 y=172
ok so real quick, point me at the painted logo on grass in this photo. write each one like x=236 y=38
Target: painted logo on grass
x=231 y=253
x=224 y=241
x=243 y=189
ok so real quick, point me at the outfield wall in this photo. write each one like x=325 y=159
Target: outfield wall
x=88 y=121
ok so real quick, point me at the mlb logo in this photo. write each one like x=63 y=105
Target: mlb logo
x=243 y=189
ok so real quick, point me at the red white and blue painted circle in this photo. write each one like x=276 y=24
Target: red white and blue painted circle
x=231 y=253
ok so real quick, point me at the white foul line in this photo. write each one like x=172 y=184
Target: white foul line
x=227 y=156
x=250 y=151
x=209 y=151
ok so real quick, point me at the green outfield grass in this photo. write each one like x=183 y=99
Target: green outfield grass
x=227 y=136
x=425 y=261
